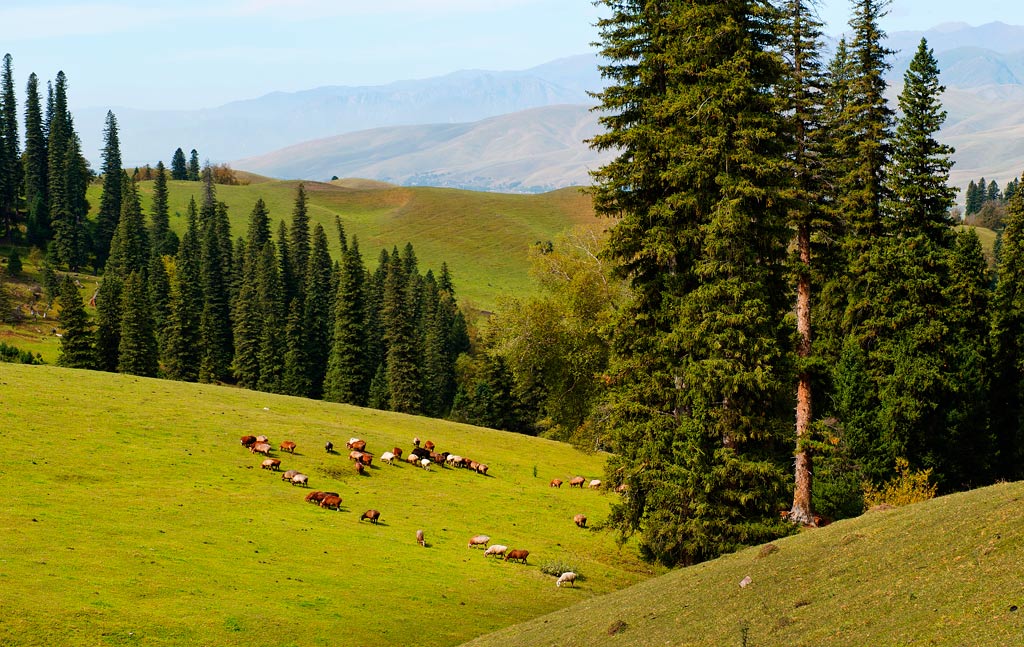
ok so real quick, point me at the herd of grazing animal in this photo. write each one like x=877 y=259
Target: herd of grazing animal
x=422 y=456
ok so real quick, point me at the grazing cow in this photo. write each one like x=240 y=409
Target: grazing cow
x=577 y=481
x=248 y=441
x=359 y=468
x=567 y=577
x=358 y=445
x=287 y=476
x=425 y=464
x=331 y=502
x=366 y=459
x=420 y=453
x=350 y=441
x=497 y=550
x=419 y=538
x=412 y=459
x=387 y=457
x=580 y=520
x=288 y=446
x=329 y=447
x=316 y=496
x=429 y=445
x=517 y=555
x=262 y=439
x=272 y=464
x=372 y=515
x=479 y=540
x=300 y=479
x=481 y=469
x=260 y=448
x=397 y=451
x=595 y=484
x=416 y=441
x=555 y=483
x=354 y=455
x=437 y=458
x=473 y=465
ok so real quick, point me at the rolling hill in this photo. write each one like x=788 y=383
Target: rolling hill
x=132 y=515
x=940 y=573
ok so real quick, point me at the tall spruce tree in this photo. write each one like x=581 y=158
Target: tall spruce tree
x=972 y=199
x=348 y=378
x=215 y=265
x=403 y=369
x=295 y=378
x=36 y=182
x=179 y=167
x=137 y=351
x=76 y=349
x=298 y=247
x=68 y=177
x=317 y=309
x=182 y=346
x=158 y=285
x=272 y=316
x=699 y=412
x=194 y=173
x=164 y=241
x=110 y=200
x=10 y=155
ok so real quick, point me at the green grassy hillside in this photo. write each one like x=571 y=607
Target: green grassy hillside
x=132 y=515
x=945 y=572
x=484 y=237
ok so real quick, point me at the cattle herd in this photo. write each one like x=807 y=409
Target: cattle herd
x=421 y=456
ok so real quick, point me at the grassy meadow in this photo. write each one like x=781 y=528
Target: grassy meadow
x=941 y=573
x=484 y=237
x=133 y=516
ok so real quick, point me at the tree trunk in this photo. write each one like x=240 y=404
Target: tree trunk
x=802 y=511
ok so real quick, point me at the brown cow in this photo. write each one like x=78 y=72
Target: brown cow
x=555 y=483
x=316 y=496
x=397 y=451
x=288 y=446
x=248 y=441
x=366 y=459
x=429 y=445
x=580 y=520
x=354 y=455
x=272 y=464
x=358 y=468
x=577 y=481
x=437 y=458
x=372 y=515
x=357 y=444
x=481 y=469
x=517 y=555
x=331 y=502
x=419 y=538
x=260 y=448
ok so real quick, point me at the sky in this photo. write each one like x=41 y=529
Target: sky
x=191 y=54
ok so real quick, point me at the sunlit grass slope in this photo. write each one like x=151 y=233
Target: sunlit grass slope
x=484 y=237
x=945 y=572
x=132 y=515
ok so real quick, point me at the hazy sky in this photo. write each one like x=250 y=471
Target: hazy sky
x=203 y=53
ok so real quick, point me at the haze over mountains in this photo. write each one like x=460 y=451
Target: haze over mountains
x=524 y=131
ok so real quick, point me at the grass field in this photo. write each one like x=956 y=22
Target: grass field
x=133 y=516
x=484 y=237
x=946 y=572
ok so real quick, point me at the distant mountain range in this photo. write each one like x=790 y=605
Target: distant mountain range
x=524 y=130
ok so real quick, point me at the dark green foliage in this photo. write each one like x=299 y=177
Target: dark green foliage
x=6 y=300
x=138 y=348
x=179 y=170
x=379 y=396
x=109 y=300
x=298 y=248
x=35 y=159
x=317 y=313
x=348 y=378
x=193 y=173
x=10 y=155
x=993 y=192
x=215 y=264
x=487 y=399
x=158 y=285
x=699 y=410
x=295 y=379
x=13 y=355
x=400 y=333
x=110 y=200
x=259 y=228
x=269 y=292
x=164 y=241
x=185 y=305
x=973 y=199
x=14 y=266
x=129 y=246
x=248 y=335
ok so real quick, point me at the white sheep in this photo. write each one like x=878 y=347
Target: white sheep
x=453 y=459
x=425 y=463
x=497 y=550
x=387 y=457
x=596 y=483
x=567 y=577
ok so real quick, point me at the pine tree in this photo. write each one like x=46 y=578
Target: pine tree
x=158 y=285
x=68 y=177
x=698 y=411
x=179 y=170
x=109 y=301
x=248 y=335
x=1007 y=340
x=10 y=155
x=269 y=294
x=36 y=181
x=285 y=264
x=973 y=201
x=379 y=396
x=295 y=379
x=181 y=348
x=259 y=228
x=298 y=247
x=137 y=353
x=110 y=200
x=215 y=263
x=76 y=349
x=165 y=242
x=129 y=247
x=317 y=309
x=347 y=378
x=193 y=173
x=403 y=370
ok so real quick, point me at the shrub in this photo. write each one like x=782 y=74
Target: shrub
x=556 y=568
x=905 y=488
x=13 y=355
